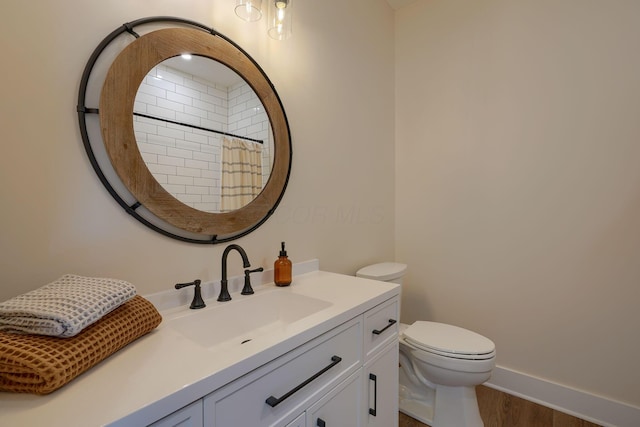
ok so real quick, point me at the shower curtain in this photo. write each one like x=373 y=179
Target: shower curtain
x=241 y=173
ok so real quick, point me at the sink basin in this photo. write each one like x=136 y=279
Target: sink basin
x=245 y=318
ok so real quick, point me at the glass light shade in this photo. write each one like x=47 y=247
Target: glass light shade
x=279 y=15
x=249 y=10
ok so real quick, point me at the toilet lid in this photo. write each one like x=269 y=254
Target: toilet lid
x=449 y=340
x=383 y=271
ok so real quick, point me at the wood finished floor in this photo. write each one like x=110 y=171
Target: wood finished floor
x=499 y=409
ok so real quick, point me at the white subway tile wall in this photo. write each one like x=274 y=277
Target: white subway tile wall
x=184 y=160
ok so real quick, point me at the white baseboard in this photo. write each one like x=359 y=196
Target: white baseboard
x=590 y=407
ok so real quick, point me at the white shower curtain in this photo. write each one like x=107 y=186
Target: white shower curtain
x=241 y=173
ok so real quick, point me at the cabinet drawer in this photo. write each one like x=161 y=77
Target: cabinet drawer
x=380 y=326
x=289 y=382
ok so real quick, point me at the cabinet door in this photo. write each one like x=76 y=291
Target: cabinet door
x=381 y=388
x=298 y=422
x=340 y=407
x=189 y=416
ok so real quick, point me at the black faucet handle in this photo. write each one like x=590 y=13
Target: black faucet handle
x=197 y=295
x=183 y=285
x=248 y=290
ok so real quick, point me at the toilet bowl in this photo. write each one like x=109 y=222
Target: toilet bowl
x=450 y=361
x=440 y=365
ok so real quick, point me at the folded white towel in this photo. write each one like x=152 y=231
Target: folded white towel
x=65 y=307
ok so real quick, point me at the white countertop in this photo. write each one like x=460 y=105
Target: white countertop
x=164 y=371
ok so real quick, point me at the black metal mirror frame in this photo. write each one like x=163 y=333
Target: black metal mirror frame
x=234 y=220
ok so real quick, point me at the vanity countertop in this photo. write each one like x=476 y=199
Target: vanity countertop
x=164 y=370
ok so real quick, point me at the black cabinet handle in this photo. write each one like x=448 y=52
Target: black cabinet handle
x=321 y=423
x=373 y=378
x=378 y=332
x=274 y=401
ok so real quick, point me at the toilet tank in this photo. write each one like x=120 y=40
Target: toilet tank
x=385 y=271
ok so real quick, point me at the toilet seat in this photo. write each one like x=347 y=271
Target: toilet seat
x=449 y=341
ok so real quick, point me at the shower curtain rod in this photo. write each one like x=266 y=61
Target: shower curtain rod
x=259 y=141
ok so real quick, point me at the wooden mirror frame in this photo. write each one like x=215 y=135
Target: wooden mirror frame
x=122 y=81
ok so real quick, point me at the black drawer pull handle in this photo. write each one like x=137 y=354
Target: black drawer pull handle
x=378 y=332
x=321 y=423
x=274 y=401
x=373 y=378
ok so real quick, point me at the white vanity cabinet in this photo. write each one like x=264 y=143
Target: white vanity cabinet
x=309 y=384
x=346 y=377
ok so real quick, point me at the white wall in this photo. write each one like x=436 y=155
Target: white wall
x=57 y=218
x=518 y=184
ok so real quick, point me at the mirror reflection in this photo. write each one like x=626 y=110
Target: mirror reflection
x=203 y=133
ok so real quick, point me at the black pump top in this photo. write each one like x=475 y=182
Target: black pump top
x=283 y=252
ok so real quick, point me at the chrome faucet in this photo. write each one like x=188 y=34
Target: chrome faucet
x=224 y=290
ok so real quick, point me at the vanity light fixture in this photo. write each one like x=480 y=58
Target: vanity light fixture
x=279 y=15
x=249 y=10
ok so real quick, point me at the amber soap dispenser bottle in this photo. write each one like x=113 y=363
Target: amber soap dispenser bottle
x=282 y=269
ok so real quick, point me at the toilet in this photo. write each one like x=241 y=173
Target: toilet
x=440 y=364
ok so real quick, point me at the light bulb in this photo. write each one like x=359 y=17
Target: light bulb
x=279 y=19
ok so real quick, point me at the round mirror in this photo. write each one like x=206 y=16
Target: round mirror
x=181 y=110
